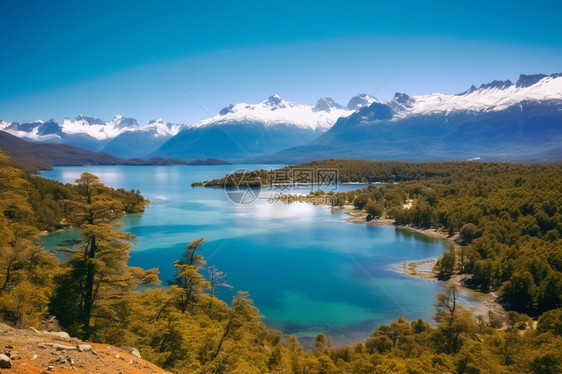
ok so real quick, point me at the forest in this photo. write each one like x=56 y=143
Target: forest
x=508 y=217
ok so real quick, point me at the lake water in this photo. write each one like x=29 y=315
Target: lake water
x=305 y=267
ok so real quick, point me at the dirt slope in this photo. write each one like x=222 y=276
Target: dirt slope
x=33 y=351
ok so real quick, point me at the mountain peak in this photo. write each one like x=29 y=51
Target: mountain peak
x=496 y=84
x=157 y=120
x=326 y=104
x=275 y=102
x=89 y=120
x=120 y=121
x=227 y=109
x=528 y=80
x=359 y=101
x=401 y=98
x=470 y=90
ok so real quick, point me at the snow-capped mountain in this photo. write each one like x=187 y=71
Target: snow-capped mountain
x=245 y=130
x=276 y=111
x=495 y=96
x=496 y=121
x=144 y=138
x=121 y=136
x=359 y=101
x=500 y=120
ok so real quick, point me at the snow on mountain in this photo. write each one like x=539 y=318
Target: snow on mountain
x=326 y=104
x=494 y=96
x=98 y=129
x=38 y=131
x=242 y=130
x=276 y=111
x=41 y=131
x=245 y=130
x=4 y=125
x=120 y=136
x=496 y=121
x=161 y=128
x=359 y=101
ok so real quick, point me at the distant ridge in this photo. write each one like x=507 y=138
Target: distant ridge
x=34 y=157
x=122 y=137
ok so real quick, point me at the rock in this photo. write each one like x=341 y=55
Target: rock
x=94 y=353
x=5 y=328
x=135 y=352
x=83 y=347
x=34 y=357
x=13 y=355
x=51 y=367
x=5 y=362
x=60 y=334
x=9 y=346
x=117 y=356
x=58 y=347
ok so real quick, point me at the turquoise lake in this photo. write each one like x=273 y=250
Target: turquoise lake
x=306 y=268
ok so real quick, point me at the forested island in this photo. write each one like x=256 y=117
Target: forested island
x=508 y=216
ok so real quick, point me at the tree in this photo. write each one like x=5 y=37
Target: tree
x=550 y=292
x=374 y=209
x=26 y=270
x=483 y=274
x=551 y=321
x=468 y=232
x=520 y=291
x=446 y=265
x=360 y=201
x=98 y=276
x=217 y=278
x=26 y=278
x=452 y=321
x=189 y=282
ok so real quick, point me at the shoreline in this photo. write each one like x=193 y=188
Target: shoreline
x=423 y=269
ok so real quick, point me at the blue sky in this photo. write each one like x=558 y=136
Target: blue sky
x=64 y=58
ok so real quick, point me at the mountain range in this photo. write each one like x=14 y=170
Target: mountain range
x=122 y=136
x=43 y=156
x=241 y=131
x=501 y=120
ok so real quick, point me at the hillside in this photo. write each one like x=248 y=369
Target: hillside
x=33 y=351
x=43 y=156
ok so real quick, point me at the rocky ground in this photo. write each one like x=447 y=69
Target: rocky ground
x=32 y=351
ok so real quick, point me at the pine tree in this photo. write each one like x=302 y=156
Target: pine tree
x=98 y=278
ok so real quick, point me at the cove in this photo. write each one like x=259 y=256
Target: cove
x=306 y=268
